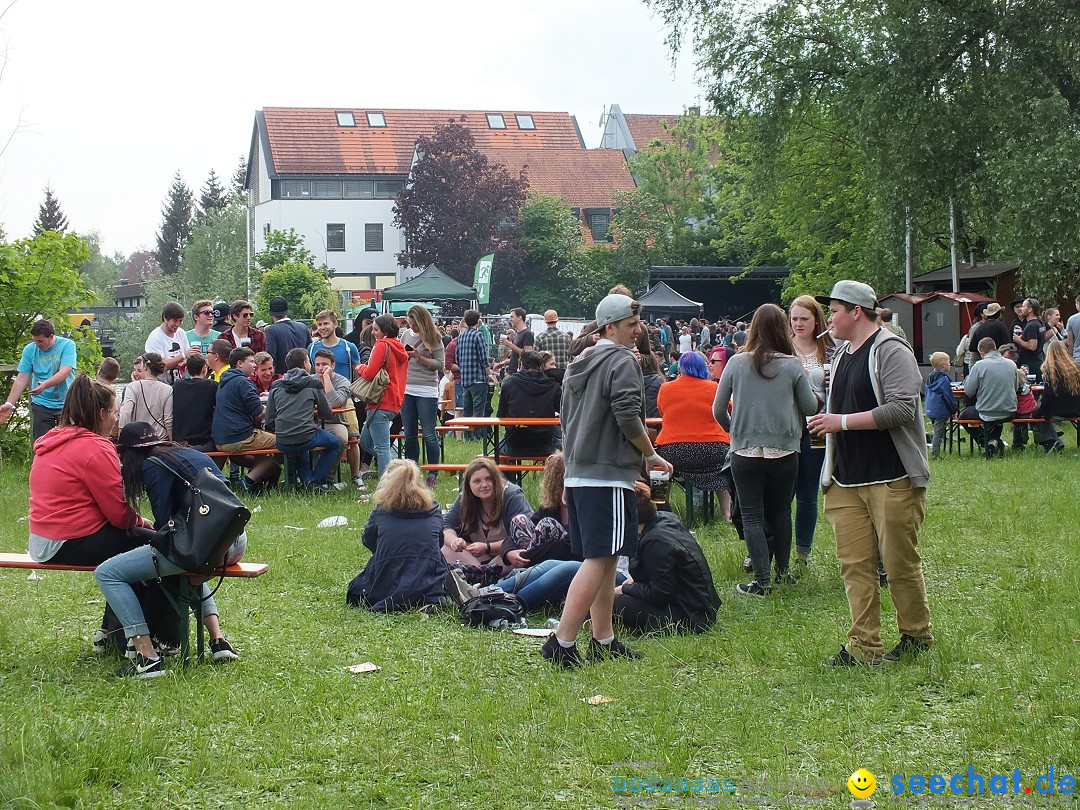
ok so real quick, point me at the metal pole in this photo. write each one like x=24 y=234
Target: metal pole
x=909 y=250
x=952 y=247
x=247 y=240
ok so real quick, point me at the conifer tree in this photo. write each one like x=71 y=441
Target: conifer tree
x=175 y=225
x=50 y=215
x=212 y=195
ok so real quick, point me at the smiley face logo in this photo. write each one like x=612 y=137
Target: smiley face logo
x=862 y=784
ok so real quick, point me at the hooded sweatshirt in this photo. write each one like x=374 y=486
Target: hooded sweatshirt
x=237 y=408
x=529 y=393
x=293 y=399
x=388 y=352
x=75 y=485
x=602 y=412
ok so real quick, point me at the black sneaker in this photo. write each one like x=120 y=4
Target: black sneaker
x=883 y=579
x=604 y=652
x=748 y=565
x=846 y=659
x=142 y=668
x=164 y=648
x=556 y=653
x=753 y=589
x=100 y=642
x=909 y=645
x=788 y=577
x=222 y=650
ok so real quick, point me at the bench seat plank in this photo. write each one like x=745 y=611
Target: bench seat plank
x=243 y=570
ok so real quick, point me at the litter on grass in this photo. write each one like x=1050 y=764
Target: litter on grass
x=360 y=669
x=596 y=700
x=294 y=528
x=257 y=509
x=332 y=521
x=34 y=576
x=536 y=632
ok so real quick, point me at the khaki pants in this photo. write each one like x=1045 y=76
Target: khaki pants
x=885 y=519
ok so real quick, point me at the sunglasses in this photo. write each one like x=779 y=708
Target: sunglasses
x=245 y=314
x=205 y=312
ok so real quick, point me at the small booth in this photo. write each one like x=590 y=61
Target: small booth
x=907 y=314
x=663 y=302
x=947 y=317
x=432 y=286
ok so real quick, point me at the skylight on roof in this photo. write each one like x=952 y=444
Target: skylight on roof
x=376 y=119
x=525 y=121
x=346 y=119
x=496 y=121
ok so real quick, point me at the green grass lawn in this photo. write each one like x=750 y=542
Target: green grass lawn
x=460 y=717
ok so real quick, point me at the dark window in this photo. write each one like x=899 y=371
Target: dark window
x=388 y=189
x=373 y=236
x=346 y=119
x=335 y=236
x=295 y=189
x=359 y=190
x=376 y=119
x=525 y=121
x=326 y=189
x=496 y=121
x=599 y=220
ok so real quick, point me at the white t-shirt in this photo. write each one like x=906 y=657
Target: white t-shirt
x=1073 y=327
x=686 y=343
x=160 y=343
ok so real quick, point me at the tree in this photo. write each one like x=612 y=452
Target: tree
x=175 y=225
x=531 y=270
x=50 y=215
x=305 y=288
x=100 y=273
x=457 y=204
x=212 y=197
x=215 y=258
x=239 y=178
x=282 y=247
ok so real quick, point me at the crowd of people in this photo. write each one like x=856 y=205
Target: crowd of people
x=760 y=414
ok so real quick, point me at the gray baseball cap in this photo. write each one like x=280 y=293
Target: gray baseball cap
x=615 y=308
x=852 y=292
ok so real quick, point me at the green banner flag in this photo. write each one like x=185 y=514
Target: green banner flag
x=482 y=278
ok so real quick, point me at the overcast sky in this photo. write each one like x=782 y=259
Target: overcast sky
x=115 y=97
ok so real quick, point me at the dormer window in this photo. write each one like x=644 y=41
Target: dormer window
x=496 y=121
x=376 y=119
x=346 y=119
x=525 y=121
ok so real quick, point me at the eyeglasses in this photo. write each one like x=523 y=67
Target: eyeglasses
x=205 y=312
x=716 y=360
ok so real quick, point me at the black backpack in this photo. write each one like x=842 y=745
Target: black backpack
x=493 y=609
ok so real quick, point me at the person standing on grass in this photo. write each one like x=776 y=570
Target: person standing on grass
x=940 y=400
x=242 y=334
x=875 y=476
x=170 y=342
x=420 y=403
x=49 y=363
x=387 y=353
x=554 y=340
x=346 y=355
x=472 y=362
x=603 y=419
x=202 y=335
x=284 y=334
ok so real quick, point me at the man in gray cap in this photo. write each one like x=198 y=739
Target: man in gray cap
x=875 y=476
x=603 y=418
x=284 y=334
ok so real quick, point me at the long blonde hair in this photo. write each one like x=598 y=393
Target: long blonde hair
x=402 y=488
x=472 y=509
x=551 y=485
x=425 y=327
x=810 y=304
x=1059 y=370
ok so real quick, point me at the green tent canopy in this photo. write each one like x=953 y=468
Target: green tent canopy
x=402 y=307
x=431 y=285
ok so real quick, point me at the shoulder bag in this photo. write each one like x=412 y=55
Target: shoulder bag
x=199 y=534
x=371 y=391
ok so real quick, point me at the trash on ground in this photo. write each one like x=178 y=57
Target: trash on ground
x=538 y=632
x=360 y=669
x=333 y=520
x=596 y=700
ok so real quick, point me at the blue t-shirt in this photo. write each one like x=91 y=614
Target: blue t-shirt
x=41 y=365
x=346 y=356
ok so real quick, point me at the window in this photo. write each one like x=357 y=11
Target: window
x=326 y=189
x=346 y=119
x=359 y=190
x=525 y=122
x=599 y=220
x=335 y=236
x=388 y=189
x=373 y=236
x=295 y=189
x=376 y=119
x=496 y=121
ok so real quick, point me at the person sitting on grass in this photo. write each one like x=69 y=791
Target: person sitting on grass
x=289 y=409
x=670 y=588
x=543 y=536
x=478 y=522
x=165 y=490
x=236 y=414
x=940 y=400
x=403 y=533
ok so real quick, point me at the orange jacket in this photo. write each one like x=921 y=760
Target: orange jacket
x=686 y=405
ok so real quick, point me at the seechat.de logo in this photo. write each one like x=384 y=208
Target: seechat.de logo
x=862 y=785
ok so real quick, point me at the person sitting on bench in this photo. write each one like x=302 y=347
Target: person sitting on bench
x=992 y=386
x=237 y=412
x=1061 y=396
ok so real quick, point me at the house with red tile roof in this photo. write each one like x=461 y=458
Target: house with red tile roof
x=632 y=132
x=333 y=174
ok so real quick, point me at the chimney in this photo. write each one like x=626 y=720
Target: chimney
x=695 y=111
x=971 y=256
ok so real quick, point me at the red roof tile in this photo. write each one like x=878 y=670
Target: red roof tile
x=309 y=140
x=587 y=178
x=645 y=129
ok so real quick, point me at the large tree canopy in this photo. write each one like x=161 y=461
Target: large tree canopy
x=457 y=204
x=175 y=225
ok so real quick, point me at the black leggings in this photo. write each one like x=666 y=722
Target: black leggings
x=766 y=487
x=96 y=548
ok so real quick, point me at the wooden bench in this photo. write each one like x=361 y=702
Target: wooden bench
x=458 y=469
x=240 y=570
x=956 y=424
x=287 y=471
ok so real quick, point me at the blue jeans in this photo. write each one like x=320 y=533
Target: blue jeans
x=331 y=452
x=545 y=583
x=474 y=404
x=422 y=411
x=807 y=487
x=375 y=436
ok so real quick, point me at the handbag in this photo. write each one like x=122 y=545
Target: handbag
x=200 y=533
x=371 y=391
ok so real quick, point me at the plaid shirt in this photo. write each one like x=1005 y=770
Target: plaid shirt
x=557 y=342
x=472 y=357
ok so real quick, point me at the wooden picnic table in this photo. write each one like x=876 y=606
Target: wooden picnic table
x=491 y=442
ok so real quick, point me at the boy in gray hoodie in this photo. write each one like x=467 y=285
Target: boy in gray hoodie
x=293 y=401
x=603 y=419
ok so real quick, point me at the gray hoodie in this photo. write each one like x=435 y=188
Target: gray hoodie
x=291 y=405
x=603 y=411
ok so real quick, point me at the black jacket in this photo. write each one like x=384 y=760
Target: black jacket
x=282 y=336
x=670 y=570
x=529 y=393
x=407 y=567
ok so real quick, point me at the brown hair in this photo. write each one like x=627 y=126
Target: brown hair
x=425 y=327
x=472 y=510
x=109 y=369
x=239 y=306
x=1059 y=370
x=402 y=487
x=326 y=315
x=769 y=335
x=153 y=363
x=388 y=325
x=85 y=400
x=42 y=328
x=809 y=303
x=551 y=485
